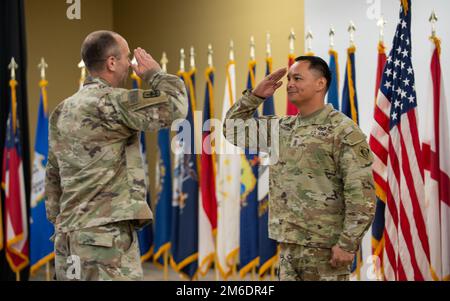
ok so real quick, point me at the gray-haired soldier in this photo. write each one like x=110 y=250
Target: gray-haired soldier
x=321 y=188
x=95 y=184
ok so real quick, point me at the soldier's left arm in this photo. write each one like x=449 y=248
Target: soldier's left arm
x=355 y=166
x=153 y=109
x=52 y=187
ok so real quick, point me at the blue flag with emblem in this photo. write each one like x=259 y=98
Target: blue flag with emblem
x=184 y=240
x=349 y=95
x=163 y=208
x=41 y=248
x=333 y=91
x=145 y=235
x=249 y=247
x=267 y=247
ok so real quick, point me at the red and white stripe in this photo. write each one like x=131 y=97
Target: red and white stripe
x=437 y=170
x=398 y=166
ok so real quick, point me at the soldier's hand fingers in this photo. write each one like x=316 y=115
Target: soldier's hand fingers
x=278 y=85
x=277 y=75
x=140 y=57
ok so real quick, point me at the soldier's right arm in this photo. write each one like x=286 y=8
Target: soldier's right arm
x=242 y=129
x=153 y=109
x=52 y=187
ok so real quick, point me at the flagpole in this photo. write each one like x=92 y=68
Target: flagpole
x=166 y=265
x=47 y=271
x=351 y=30
x=43 y=66
x=82 y=66
x=331 y=35
x=164 y=61
x=309 y=39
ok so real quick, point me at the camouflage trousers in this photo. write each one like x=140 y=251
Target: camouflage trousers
x=300 y=263
x=109 y=252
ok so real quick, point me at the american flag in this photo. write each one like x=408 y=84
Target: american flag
x=398 y=169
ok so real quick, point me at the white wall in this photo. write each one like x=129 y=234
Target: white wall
x=319 y=14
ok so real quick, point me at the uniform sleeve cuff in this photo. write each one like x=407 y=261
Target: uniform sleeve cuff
x=150 y=75
x=347 y=245
x=253 y=99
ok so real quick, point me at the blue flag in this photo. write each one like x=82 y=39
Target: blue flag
x=185 y=198
x=163 y=207
x=267 y=246
x=333 y=92
x=41 y=248
x=249 y=247
x=349 y=96
x=145 y=235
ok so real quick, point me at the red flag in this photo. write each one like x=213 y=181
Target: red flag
x=291 y=109
x=380 y=67
x=436 y=147
x=380 y=182
x=16 y=229
x=208 y=201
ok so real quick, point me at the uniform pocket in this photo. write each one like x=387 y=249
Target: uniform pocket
x=97 y=247
x=96 y=239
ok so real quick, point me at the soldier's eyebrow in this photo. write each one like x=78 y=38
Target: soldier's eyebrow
x=294 y=74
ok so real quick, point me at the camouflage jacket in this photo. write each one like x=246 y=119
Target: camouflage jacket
x=321 y=187
x=94 y=173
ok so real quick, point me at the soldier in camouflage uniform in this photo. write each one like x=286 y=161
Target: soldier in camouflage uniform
x=321 y=188
x=95 y=184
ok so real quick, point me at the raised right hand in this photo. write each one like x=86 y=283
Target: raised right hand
x=270 y=84
x=145 y=63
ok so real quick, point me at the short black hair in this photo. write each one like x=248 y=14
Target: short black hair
x=97 y=47
x=318 y=64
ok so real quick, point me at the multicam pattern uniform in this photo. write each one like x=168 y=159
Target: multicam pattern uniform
x=95 y=176
x=321 y=188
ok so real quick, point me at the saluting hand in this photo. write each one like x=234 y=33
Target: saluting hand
x=270 y=84
x=145 y=62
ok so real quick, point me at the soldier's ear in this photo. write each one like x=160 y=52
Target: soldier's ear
x=111 y=63
x=321 y=84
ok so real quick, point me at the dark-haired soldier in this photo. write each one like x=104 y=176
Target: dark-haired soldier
x=321 y=188
x=95 y=188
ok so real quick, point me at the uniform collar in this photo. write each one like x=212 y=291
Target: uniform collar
x=317 y=117
x=95 y=80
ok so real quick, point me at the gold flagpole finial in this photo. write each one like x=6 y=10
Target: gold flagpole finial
x=210 y=56
x=42 y=66
x=13 y=66
x=192 y=57
x=268 y=45
x=292 y=42
x=381 y=22
x=351 y=30
x=82 y=66
x=182 y=57
x=309 y=38
x=433 y=20
x=252 y=48
x=231 y=50
x=164 y=62
x=331 y=34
